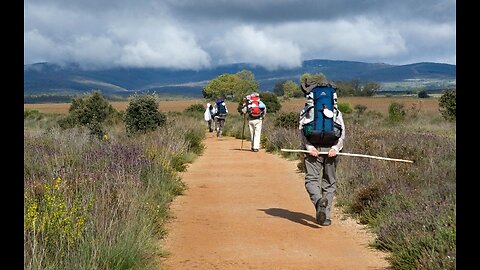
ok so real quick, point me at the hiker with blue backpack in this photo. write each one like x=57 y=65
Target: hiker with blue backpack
x=221 y=112
x=322 y=133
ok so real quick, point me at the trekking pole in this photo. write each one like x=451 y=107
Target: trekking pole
x=243 y=128
x=348 y=154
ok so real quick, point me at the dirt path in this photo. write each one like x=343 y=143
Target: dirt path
x=246 y=210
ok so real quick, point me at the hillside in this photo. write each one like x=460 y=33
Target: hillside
x=46 y=78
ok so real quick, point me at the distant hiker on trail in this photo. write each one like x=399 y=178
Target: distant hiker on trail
x=208 y=116
x=221 y=112
x=321 y=130
x=256 y=111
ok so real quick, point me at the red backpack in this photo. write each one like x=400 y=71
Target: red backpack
x=253 y=106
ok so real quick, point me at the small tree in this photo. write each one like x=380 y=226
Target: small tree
x=271 y=101
x=359 y=109
x=319 y=77
x=142 y=114
x=90 y=111
x=370 y=89
x=235 y=86
x=448 y=104
x=291 y=90
x=278 y=88
x=423 y=94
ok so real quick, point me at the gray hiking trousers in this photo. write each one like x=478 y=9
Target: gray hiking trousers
x=320 y=178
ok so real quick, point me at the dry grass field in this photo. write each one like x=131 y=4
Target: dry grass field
x=379 y=104
x=164 y=106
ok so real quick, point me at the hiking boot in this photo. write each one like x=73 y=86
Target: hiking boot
x=327 y=222
x=321 y=211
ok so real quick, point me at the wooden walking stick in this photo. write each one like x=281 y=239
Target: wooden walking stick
x=243 y=128
x=348 y=154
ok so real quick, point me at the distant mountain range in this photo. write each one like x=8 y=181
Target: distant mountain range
x=52 y=79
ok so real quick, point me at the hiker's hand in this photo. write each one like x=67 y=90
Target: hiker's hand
x=332 y=152
x=314 y=152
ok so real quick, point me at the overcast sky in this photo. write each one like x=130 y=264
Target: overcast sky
x=196 y=34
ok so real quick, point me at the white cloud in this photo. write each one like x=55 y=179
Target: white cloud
x=137 y=42
x=358 y=38
x=198 y=34
x=249 y=45
x=37 y=48
x=160 y=44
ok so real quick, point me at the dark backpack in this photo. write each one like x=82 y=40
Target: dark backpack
x=321 y=97
x=221 y=109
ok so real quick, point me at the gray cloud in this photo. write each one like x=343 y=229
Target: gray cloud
x=189 y=34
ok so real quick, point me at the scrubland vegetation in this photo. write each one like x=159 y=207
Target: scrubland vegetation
x=96 y=191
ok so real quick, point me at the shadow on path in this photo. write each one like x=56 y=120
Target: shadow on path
x=240 y=149
x=297 y=217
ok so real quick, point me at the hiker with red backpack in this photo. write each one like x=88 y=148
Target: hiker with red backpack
x=256 y=112
x=322 y=133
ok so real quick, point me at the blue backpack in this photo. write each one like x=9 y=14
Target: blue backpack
x=320 y=129
x=221 y=109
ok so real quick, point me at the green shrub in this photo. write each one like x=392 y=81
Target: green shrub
x=448 y=104
x=67 y=122
x=271 y=101
x=32 y=114
x=423 y=94
x=344 y=107
x=287 y=120
x=142 y=114
x=195 y=108
x=91 y=111
x=194 y=139
x=396 y=112
x=360 y=109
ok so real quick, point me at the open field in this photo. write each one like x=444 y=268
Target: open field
x=379 y=104
x=164 y=106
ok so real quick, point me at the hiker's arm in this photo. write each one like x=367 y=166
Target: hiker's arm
x=312 y=150
x=339 y=145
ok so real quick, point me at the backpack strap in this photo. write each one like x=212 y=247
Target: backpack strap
x=307 y=110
